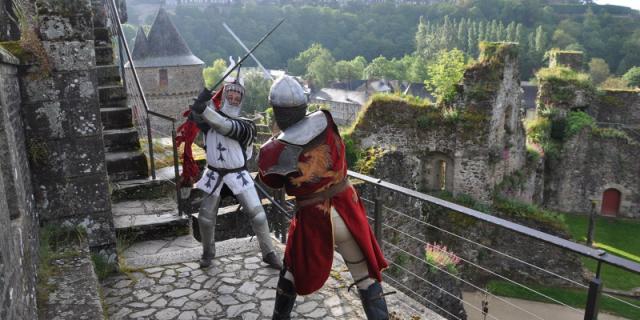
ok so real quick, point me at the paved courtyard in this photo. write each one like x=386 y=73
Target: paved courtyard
x=168 y=284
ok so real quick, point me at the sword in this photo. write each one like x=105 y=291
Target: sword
x=273 y=201
x=267 y=75
x=247 y=55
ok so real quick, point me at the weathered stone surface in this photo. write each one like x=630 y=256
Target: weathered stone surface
x=70 y=55
x=243 y=299
x=76 y=288
x=18 y=218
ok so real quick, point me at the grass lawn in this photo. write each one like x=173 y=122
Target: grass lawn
x=572 y=297
x=619 y=237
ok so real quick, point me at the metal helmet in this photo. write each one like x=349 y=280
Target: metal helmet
x=232 y=107
x=288 y=100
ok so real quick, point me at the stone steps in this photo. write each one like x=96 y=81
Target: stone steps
x=116 y=118
x=102 y=34
x=121 y=139
x=108 y=75
x=125 y=165
x=111 y=93
x=104 y=55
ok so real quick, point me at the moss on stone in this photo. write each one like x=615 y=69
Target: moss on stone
x=16 y=50
x=38 y=152
x=612 y=133
x=563 y=76
x=496 y=52
x=367 y=160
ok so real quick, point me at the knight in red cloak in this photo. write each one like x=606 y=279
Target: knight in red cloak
x=308 y=159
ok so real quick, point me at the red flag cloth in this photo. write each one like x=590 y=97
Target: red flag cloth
x=217 y=99
x=187 y=133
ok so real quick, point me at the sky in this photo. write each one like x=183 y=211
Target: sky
x=627 y=3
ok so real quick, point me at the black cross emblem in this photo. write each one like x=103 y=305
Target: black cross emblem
x=241 y=176
x=211 y=176
x=221 y=148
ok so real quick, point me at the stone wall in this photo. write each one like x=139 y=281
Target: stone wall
x=588 y=165
x=618 y=106
x=184 y=84
x=18 y=217
x=474 y=144
x=63 y=127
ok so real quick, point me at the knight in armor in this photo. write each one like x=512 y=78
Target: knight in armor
x=228 y=143
x=308 y=159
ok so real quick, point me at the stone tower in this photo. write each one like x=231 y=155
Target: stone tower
x=170 y=75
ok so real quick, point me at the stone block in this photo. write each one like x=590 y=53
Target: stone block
x=64 y=8
x=62 y=119
x=58 y=27
x=60 y=197
x=70 y=55
x=77 y=85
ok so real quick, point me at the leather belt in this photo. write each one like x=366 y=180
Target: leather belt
x=306 y=200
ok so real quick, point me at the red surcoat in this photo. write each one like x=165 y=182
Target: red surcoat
x=310 y=247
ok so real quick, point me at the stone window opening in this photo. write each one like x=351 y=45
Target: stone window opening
x=163 y=78
x=438 y=169
x=442 y=176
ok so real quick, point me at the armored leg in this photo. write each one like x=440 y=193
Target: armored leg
x=285 y=297
x=258 y=218
x=207 y=223
x=373 y=302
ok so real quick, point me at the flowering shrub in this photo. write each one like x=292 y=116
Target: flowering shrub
x=438 y=257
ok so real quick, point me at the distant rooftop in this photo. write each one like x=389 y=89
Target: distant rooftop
x=164 y=46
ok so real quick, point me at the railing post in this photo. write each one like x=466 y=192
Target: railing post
x=150 y=143
x=593 y=298
x=176 y=165
x=377 y=214
x=592 y=224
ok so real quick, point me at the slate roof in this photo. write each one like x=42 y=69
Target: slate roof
x=339 y=95
x=164 y=47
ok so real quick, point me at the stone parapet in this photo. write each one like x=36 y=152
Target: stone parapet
x=18 y=217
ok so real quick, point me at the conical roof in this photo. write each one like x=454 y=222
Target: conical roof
x=140 y=46
x=164 y=47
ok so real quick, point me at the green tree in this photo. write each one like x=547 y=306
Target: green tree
x=598 y=70
x=350 y=70
x=381 y=68
x=299 y=65
x=444 y=74
x=213 y=73
x=633 y=77
x=256 y=92
x=320 y=70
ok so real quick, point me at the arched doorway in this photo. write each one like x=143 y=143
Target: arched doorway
x=610 y=202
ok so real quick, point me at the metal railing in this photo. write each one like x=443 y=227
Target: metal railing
x=142 y=113
x=412 y=280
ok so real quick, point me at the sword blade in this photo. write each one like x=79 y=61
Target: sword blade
x=247 y=55
x=264 y=70
x=273 y=201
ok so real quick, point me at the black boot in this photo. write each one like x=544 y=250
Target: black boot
x=373 y=302
x=285 y=298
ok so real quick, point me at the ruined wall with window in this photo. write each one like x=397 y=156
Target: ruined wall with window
x=467 y=148
x=591 y=144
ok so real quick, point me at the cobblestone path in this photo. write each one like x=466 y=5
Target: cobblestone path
x=237 y=286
